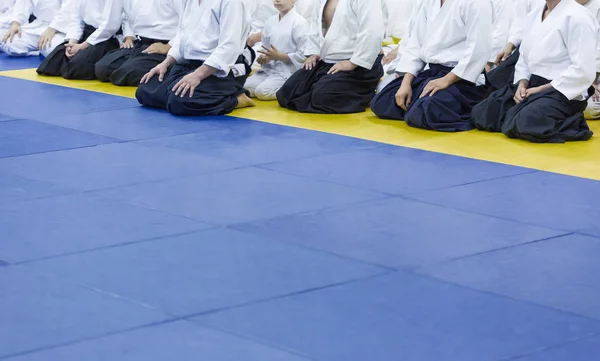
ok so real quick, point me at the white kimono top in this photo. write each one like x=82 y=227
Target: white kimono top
x=153 y=19
x=104 y=15
x=44 y=10
x=355 y=34
x=521 y=8
x=288 y=35
x=562 y=48
x=397 y=14
x=457 y=35
x=214 y=31
x=593 y=7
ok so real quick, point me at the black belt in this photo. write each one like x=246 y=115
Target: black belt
x=149 y=41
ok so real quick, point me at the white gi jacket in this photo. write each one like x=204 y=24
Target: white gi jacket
x=104 y=15
x=562 y=48
x=355 y=34
x=456 y=35
x=214 y=31
x=153 y=19
x=289 y=35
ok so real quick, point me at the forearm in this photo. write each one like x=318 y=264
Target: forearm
x=452 y=78
x=205 y=71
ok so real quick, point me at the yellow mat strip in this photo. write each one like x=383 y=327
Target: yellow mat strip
x=580 y=159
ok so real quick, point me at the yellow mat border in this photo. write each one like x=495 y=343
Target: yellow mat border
x=581 y=159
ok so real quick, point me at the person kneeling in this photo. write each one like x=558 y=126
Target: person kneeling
x=39 y=37
x=147 y=28
x=94 y=24
x=344 y=66
x=283 y=41
x=205 y=70
x=455 y=43
x=553 y=79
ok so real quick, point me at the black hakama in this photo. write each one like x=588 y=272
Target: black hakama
x=214 y=95
x=503 y=74
x=314 y=91
x=126 y=67
x=545 y=117
x=447 y=111
x=81 y=66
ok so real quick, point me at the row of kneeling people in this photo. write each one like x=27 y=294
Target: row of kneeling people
x=527 y=68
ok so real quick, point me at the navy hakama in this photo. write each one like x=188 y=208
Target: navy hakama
x=503 y=74
x=448 y=110
x=214 y=95
x=126 y=67
x=545 y=117
x=315 y=91
x=82 y=65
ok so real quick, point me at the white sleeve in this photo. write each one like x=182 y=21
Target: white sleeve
x=22 y=11
x=410 y=48
x=71 y=15
x=522 y=71
x=62 y=18
x=127 y=28
x=231 y=44
x=517 y=28
x=478 y=21
x=581 y=45
x=178 y=7
x=111 y=22
x=370 y=32
x=501 y=26
x=300 y=38
x=313 y=39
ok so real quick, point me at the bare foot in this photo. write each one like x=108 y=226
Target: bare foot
x=244 y=101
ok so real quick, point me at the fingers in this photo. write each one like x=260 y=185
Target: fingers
x=426 y=91
x=333 y=70
x=386 y=60
x=408 y=100
x=192 y=89
x=400 y=101
x=19 y=33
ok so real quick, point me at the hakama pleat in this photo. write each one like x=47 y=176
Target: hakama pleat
x=315 y=91
x=126 y=67
x=82 y=65
x=448 y=110
x=503 y=74
x=214 y=95
x=545 y=117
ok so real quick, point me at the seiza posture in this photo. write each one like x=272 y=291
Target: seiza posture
x=398 y=17
x=91 y=35
x=148 y=28
x=205 y=70
x=553 y=78
x=283 y=42
x=504 y=63
x=593 y=108
x=343 y=65
x=444 y=55
x=42 y=35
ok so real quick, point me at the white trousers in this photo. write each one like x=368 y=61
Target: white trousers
x=27 y=44
x=262 y=86
x=592 y=112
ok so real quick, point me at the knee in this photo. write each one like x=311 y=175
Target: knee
x=265 y=92
x=102 y=72
x=384 y=105
x=176 y=105
x=13 y=49
x=143 y=94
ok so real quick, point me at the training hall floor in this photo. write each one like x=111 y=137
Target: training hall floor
x=127 y=234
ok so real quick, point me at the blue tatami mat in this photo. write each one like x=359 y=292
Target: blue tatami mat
x=127 y=234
